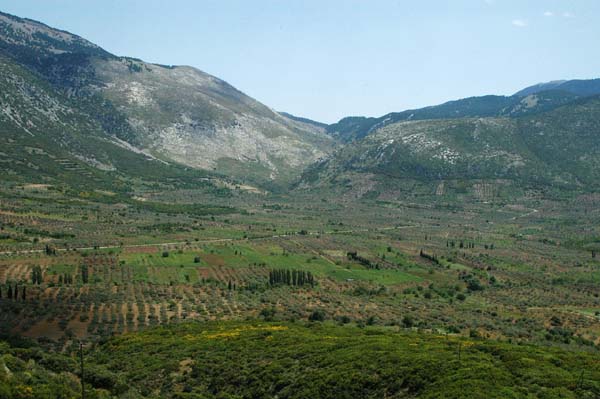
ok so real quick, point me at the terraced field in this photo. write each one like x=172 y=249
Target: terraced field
x=494 y=270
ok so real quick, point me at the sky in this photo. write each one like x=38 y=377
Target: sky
x=327 y=59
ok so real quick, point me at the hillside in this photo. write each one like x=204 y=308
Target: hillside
x=173 y=113
x=555 y=148
x=283 y=360
x=52 y=140
x=529 y=101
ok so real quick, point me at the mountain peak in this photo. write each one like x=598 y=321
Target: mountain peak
x=179 y=113
x=28 y=33
x=580 y=87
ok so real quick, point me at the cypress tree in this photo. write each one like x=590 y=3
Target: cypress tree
x=36 y=275
x=84 y=274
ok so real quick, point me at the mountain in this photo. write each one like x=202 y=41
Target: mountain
x=557 y=148
x=49 y=138
x=583 y=88
x=174 y=114
x=71 y=111
x=538 y=98
x=318 y=125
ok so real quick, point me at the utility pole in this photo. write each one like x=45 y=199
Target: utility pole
x=81 y=361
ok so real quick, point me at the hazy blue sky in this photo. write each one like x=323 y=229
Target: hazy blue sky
x=329 y=59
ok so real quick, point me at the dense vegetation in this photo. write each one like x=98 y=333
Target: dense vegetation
x=262 y=360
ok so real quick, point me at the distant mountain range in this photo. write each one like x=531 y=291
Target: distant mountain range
x=531 y=100
x=552 y=149
x=581 y=88
x=71 y=113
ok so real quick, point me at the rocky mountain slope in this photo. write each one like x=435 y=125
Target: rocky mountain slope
x=557 y=148
x=49 y=138
x=529 y=101
x=176 y=114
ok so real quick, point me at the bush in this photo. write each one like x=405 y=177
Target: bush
x=268 y=313
x=408 y=321
x=317 y=315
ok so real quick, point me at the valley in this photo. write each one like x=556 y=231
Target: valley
x=184 y=240
x=173 y=267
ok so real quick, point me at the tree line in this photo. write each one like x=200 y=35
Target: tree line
x=291 y=277
x=353 y=255
x=14 y=293
x=432 y=258
x=36 y=275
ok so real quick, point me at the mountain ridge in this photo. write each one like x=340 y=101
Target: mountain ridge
x=531 y=100
x=555 y=148
x=176 y=113
x=185 y=118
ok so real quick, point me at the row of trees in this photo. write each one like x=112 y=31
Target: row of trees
x=13 y=293
x=468 y=245
x=461 y=244
x=354 y=256
x=427 y=256
x=290 y=277
x=65 y=279
x=36 y=275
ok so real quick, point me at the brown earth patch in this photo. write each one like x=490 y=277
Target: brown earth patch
x=45 y=328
